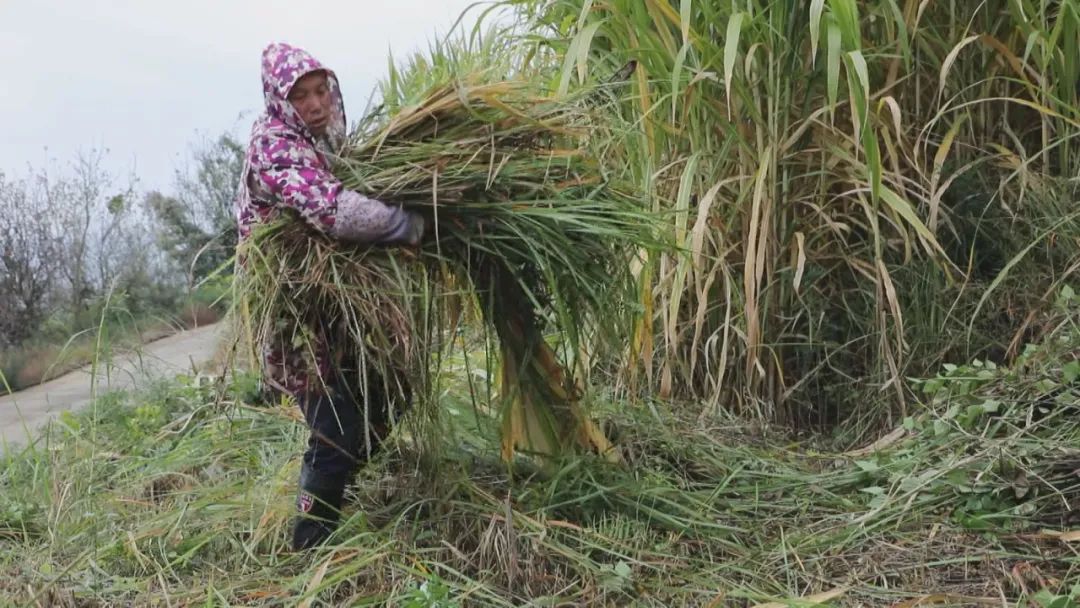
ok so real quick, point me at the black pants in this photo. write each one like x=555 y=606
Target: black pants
x=349 y=420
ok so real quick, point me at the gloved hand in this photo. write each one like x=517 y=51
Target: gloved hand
x=415 y=232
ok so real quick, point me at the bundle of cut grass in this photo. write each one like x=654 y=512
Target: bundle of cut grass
x=523 y=220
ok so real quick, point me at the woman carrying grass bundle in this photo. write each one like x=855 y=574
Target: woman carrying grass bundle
x=287 y=172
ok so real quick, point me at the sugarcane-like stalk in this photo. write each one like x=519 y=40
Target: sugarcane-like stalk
x=543 y=413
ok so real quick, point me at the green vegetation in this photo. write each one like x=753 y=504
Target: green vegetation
x=852 y=380
x=181 y=496
x=841 y=175
x=118 y=323
x=81 y=266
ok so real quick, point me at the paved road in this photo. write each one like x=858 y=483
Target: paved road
x=31 y=408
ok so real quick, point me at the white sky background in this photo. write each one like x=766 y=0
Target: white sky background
x=147 y=79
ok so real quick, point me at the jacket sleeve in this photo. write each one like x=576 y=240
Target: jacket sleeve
x=292 y=173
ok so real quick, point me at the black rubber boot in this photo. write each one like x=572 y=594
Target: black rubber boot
x=319 y=509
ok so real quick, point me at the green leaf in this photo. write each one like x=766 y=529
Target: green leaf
x=1046 y=599
x=731 y=49
x=933 y=386
x=905 y=211
x=833 y=67
x=816 y=7
x=975 y=522
x=682 y=214
x=586 y=8
x=1032 y=39
x=1070 y=372
x=858 y=90
x=847 y=16
x=873 y=163
x=867 y=465
x=1071 y=63
x=584 y=46
x=859 y=62
x=676 y=77
x=682 y=199
x=684 y=19
x=902 y=32
x=577 y=55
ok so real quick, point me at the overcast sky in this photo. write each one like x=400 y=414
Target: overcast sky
x=146 y=79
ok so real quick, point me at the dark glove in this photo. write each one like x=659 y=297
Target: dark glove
x=415 y=231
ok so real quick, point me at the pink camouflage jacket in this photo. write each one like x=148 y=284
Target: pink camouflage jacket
x=286 y=168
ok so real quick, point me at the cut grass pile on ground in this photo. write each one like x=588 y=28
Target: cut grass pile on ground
x=181 y=496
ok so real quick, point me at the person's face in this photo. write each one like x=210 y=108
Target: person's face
x=311 y=98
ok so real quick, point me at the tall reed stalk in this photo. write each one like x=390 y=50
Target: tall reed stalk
x=809 y=152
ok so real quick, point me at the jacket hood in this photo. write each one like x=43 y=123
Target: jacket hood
x=282 y=66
